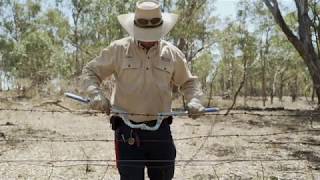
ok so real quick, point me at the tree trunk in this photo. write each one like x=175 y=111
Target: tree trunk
x=263 y=57
x=228 y=83
x=271 y=97
x=316 y=81
x=232 y=77
x=313 y=94
x=293 y=89
x=245 y=92
x=303 y=42
x=245 y=73
x=264 y=94
x=211 y=88
x=76 y=14
x=222 y=83
x=210 y=94
x=184 y=103
x=273 y=87
x=227 y=91
x=313 y=64
x=281 y=89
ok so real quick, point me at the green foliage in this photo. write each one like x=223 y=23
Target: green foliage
x=56 y=24
x=203 y=67
x=193 y=32
x=33 y=41
x=48 y=39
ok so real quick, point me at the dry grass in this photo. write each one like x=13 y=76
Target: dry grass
x=248 y=154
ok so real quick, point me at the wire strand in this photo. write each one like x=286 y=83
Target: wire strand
x=179 y=162
x=44 y=139
x=48 y=161
x=295 y=113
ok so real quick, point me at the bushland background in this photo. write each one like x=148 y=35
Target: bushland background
x=261 y=67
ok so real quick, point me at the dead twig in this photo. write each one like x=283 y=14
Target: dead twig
x=105 y=172
x=51 y=172
x=52 y=165
x=54 y=102
x=262 y=169
x=235 y=97
x=309 y=169
x=215 y=173
x=201 y=146
x=88 y=169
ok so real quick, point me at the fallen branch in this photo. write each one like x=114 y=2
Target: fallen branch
x=235 y=97
x=54 y=102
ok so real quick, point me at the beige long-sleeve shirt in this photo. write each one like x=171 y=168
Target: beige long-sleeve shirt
x=144 y=78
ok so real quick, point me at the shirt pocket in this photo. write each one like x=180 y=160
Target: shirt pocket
x=163 y=70
x=130 y=70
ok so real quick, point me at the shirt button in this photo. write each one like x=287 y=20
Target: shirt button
x=147 y=68
x=129 y=65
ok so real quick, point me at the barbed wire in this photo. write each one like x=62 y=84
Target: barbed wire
x=107 y=165
x=181 y=161
x=112 y=163
x=295 y=113
x=286 y=142
x=45 y=139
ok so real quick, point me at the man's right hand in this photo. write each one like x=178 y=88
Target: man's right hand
x=98 y=101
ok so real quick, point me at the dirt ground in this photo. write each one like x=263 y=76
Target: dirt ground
x=40 y=144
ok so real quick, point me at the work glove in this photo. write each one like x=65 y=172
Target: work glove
x=195 y=108
x=97 y=100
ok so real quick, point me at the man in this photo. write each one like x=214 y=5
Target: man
x=145 y=69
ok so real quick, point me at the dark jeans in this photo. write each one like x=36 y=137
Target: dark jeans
x=152 y=149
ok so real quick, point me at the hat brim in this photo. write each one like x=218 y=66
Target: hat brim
x=148 y=34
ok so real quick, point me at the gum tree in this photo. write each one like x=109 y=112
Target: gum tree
x=305 y=40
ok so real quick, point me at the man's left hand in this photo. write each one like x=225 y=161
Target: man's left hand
x=195 y=108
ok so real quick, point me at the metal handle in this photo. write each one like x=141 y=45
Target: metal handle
x=76 y=97
x=124 y=115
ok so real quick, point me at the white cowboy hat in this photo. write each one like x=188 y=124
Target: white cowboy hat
x=147 y=23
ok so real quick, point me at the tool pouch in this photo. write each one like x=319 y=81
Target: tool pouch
x=115 y=122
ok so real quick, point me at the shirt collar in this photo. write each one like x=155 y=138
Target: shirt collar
x=138 y=43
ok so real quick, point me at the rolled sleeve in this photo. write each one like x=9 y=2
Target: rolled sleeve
x=182 y=77
x=99 y=68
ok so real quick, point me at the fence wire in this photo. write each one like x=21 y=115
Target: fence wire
x=112 y=162
x=292 y=113
x=179 y=162
x=70 y=140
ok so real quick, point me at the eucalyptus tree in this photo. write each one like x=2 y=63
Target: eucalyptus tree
x=264 y=30
x=20 y=24
x=303 y=38
x=315 y=18
x=194 y=30
x=14 y=26
x=57 y=27
x=315 y=13
x=79 y=9
x=34 y=40
x=203 y=66
x=101 y=25
x=227 y=42
x=94 y=26
x=246 y=46
x=283 y=64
